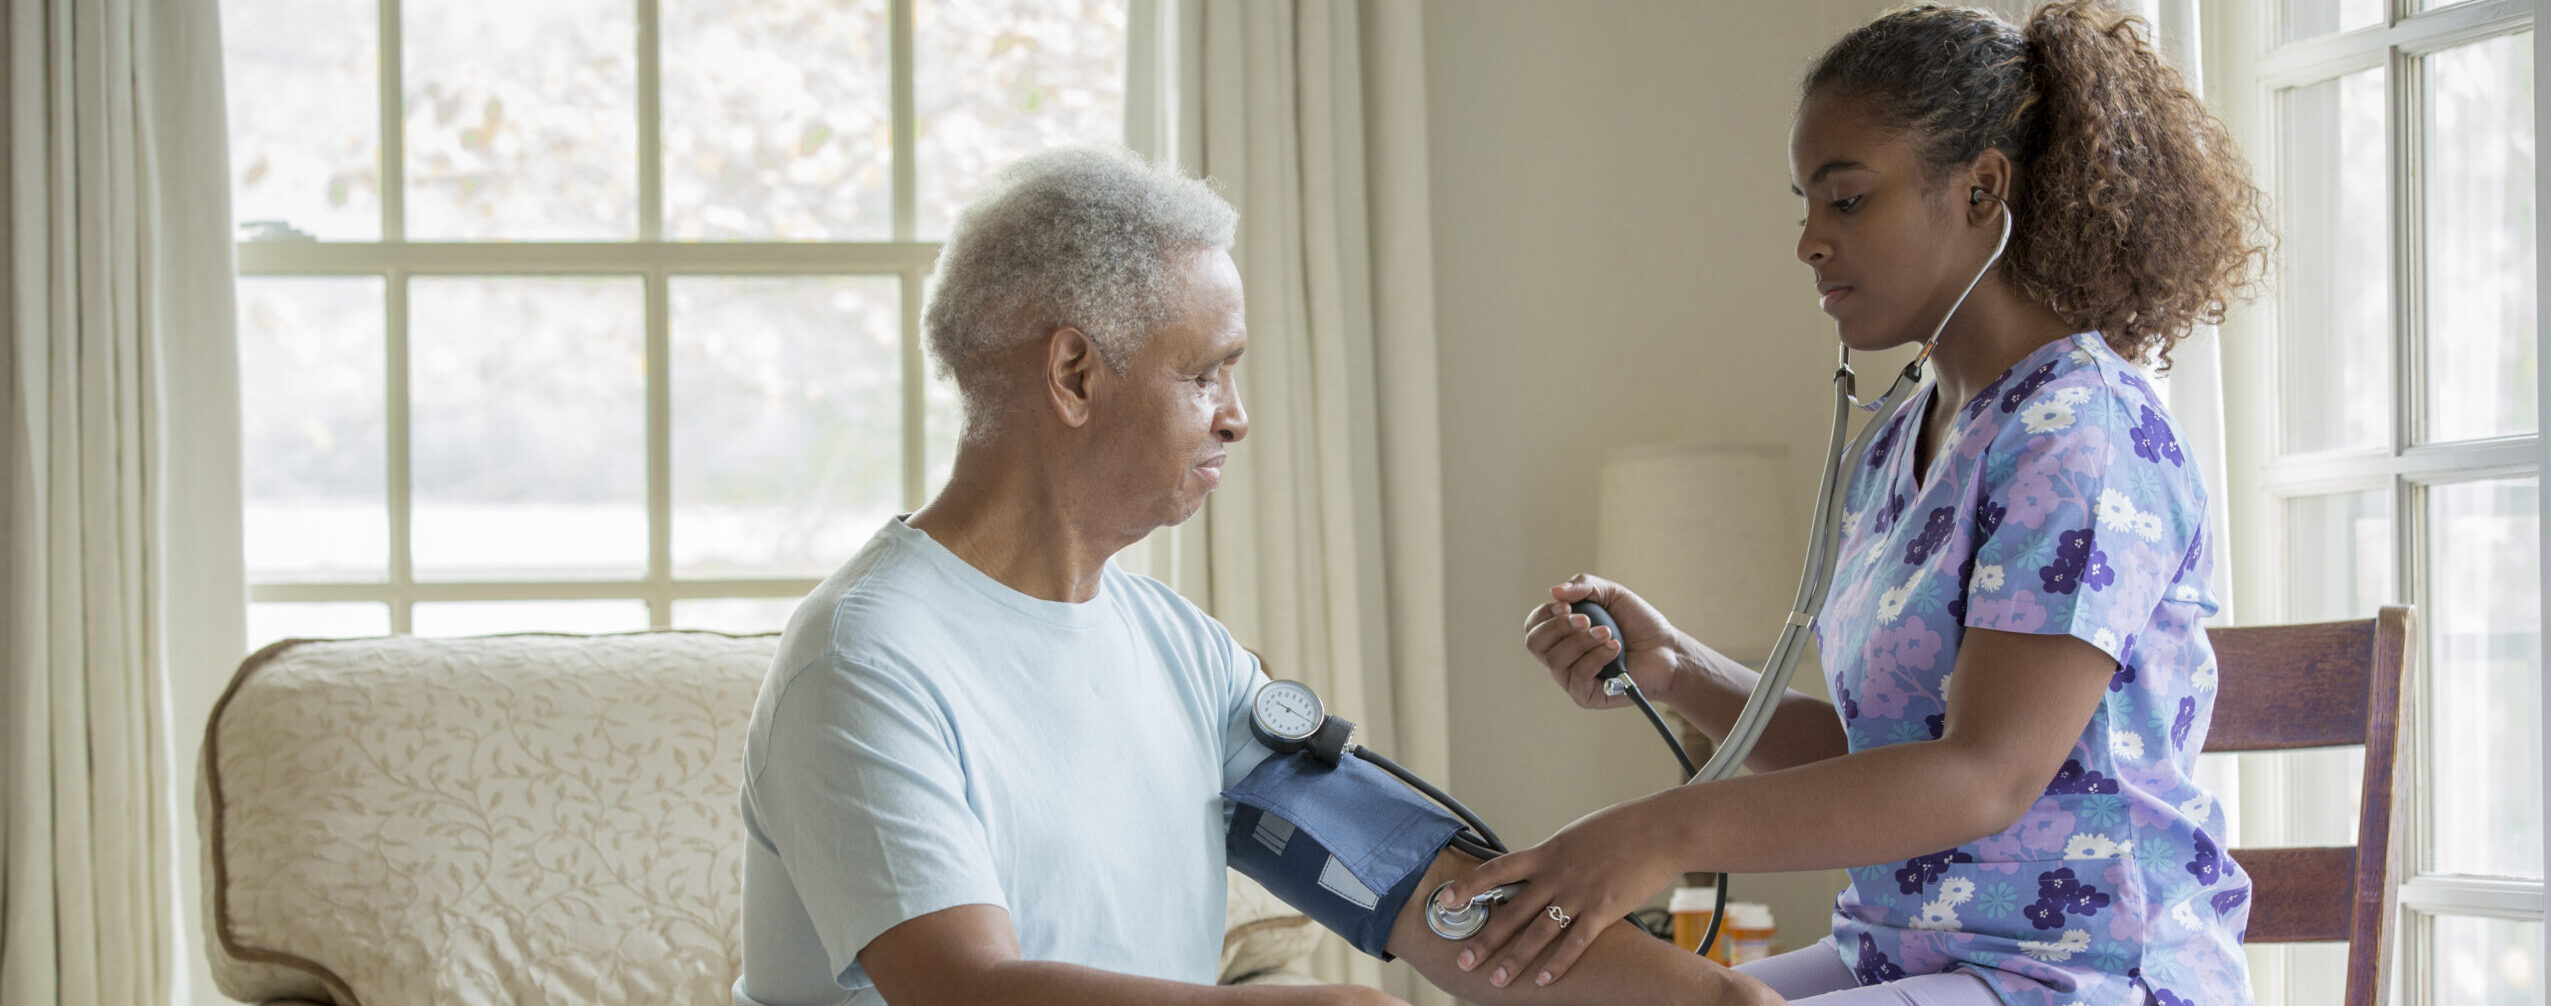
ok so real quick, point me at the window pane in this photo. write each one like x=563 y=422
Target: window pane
x=995 y=80
x=333 y=620
x=304 y=84
x=778 y=120
x=739 y=615
x=2338 y=555
x=2334 y=308
x=522 y=120
x=2484 y=627
x=2301 y=19
x=529 y=397
x=2487 y=962
x=2480 y=240
x=481 y=618
x=313 y=409
x=787 y=421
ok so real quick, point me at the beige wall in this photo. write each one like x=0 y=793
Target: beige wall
x=1613 y=241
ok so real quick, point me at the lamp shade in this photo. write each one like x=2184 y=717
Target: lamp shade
x=1708 y=533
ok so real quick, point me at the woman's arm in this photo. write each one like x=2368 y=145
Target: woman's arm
x=1697 y=682
x=2017 y=705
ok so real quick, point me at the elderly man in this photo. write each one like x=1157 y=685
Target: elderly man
x=987 y=764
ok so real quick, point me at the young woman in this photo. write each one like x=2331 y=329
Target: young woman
x=2021 y=678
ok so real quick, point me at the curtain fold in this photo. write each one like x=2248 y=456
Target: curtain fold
x=119 y=520
x=1324 y=548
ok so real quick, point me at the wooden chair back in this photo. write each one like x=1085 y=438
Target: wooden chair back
x=2331 y=684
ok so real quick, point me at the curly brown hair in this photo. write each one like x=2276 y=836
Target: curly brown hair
x=2135 y=215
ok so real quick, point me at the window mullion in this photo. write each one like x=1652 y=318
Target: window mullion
x=393 y=122
x=659 y=451
x=401 y=489
x=650 y=123
x=900 y=41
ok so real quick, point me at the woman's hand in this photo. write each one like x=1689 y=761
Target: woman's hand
x=1575 y=652
x=1592 y=872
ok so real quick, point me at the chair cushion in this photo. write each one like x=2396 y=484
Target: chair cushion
x=525 y=818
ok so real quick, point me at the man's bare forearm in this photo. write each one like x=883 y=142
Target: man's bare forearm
x=1624 y=966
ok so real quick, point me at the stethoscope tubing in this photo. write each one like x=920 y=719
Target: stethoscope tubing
x=1815 y=581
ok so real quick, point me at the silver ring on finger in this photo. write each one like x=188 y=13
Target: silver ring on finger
x=1558 y=916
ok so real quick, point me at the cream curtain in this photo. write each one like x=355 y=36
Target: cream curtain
x=1324 y=549
x=119 y=520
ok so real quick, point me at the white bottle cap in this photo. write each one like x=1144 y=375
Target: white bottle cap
x=1749 y=915
x=1693 y=899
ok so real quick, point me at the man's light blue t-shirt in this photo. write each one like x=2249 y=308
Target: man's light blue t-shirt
x=929 y=738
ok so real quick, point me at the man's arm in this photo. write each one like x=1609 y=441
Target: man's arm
x=1623 y=966
x=969 y=955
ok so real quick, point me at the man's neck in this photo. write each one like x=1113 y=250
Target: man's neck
x=1011 y=519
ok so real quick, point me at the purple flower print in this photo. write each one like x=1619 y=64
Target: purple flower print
x=2028 y=386
x=1850 y=708
x=2031 y=493
x=2165 y=997
x=2074 y=780
x=2153 y=441
x=1874 y=967
x=2187 y=719
x=2073 y=557
x=1907 y=648
x=2207 y=864
x=2046 y=827
x=2225 y=901
x=1935 y=533
x=1988 y=519
x=2136 y=381
x=1886 y=442
x=1936 y=723
x=2059 y=893
x=1921 y=871
x=1888 y=515
x=2196 y=547
x=1984 y=399
x=2096 y=573
x=2125 y=676
x=2017 y=611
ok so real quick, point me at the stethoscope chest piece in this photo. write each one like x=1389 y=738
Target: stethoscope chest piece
x=1464 y=922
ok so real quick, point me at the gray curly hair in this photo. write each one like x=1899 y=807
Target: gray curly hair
x=1081 y=236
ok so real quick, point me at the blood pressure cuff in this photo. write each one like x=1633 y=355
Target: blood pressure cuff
x=1346 y=846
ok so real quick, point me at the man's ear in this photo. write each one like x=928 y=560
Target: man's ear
x=1072 y=366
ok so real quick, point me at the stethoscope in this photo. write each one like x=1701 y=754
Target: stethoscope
x=1287 y=716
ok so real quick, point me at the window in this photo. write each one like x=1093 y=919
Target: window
x=2399 y=151
x=591 y=315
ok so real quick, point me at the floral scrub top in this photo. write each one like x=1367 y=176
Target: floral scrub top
x=2062 y=502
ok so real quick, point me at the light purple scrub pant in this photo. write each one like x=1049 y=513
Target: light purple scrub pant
x=1815 y=976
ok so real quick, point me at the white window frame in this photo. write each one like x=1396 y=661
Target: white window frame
x=653 y=260
x=2403 y=466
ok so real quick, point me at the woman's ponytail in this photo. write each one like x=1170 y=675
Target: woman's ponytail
x=2135 y=214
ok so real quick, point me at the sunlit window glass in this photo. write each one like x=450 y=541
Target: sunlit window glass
x=2333 y=302
x=2484 y=629
x=2480 y=240
x=303 y=81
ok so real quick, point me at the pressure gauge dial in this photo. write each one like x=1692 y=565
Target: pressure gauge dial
x=1285 y=715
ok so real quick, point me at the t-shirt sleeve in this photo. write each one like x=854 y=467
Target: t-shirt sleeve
x=1241 y=676
x=863 y=795
x=2089 y=512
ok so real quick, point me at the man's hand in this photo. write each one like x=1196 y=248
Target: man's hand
x=970 y=954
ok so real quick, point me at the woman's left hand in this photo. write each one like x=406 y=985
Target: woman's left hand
x=1592 y=872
